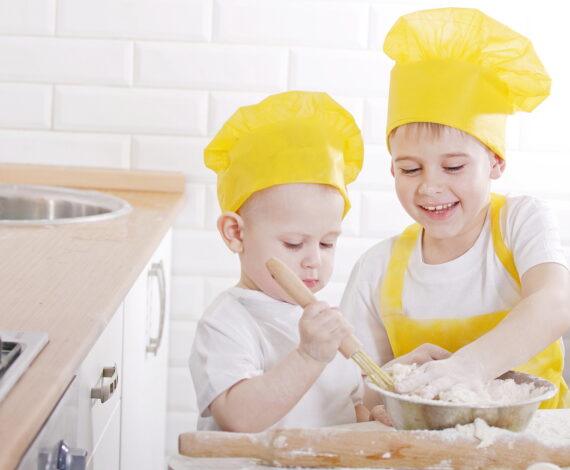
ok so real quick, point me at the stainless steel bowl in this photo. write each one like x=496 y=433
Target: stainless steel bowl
x=23 y=204
x=411 y=413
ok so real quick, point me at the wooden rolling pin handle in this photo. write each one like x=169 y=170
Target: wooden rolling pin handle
x=223 y=444
x=301 y=294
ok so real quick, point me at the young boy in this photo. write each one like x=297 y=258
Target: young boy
x=481 y=275
x=258 y=360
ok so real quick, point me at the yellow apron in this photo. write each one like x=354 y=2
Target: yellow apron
x=405 y=334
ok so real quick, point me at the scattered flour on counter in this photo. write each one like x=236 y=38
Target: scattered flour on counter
x=543 y=466
x=280 y=442
x=479 y=429
x=496 y=392
x=545 y=427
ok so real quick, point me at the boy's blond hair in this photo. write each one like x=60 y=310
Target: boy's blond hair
x=434 y=130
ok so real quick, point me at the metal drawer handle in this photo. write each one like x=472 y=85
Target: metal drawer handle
x=157 y=271
x=62 y=457
x=105 y=391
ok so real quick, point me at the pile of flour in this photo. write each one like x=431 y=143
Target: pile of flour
x=496 y=392
x=545 y=427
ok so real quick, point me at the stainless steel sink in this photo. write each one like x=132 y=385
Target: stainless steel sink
x=23 y=204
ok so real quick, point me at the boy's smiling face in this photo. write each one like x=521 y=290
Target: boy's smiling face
x=297 y=223
x=443 y=180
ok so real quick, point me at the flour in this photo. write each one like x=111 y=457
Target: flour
x=545 y=427
x=495 y=392
x=543 y=466
x=479 y=429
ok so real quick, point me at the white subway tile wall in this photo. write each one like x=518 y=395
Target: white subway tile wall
x=177 y=20
x=145 y=84
x=58 y=60
x=292 y=23
x=130 y=110
x=32 y=17
x=211 y=66
x=65 y=148
x=24 y=106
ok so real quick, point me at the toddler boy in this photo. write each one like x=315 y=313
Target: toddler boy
x=258 y=360
x=479 y=274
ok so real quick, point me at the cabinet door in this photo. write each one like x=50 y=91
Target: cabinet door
x=145 y=355
x=106 y=455
x=100 y=375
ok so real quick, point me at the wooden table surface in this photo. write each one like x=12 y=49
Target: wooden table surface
x=373 y=445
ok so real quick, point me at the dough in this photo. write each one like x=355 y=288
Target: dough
x=496 y=392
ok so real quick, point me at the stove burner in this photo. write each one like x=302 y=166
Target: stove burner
x=9 y=351
x=18 y=349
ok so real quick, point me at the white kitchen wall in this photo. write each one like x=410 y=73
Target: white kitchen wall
x=146 y=83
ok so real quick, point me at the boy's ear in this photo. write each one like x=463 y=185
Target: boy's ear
x=230 y=226
x=497 y=167
x=392 y=167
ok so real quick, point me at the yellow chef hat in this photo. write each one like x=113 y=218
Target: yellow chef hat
x=291 y=137
x=461 y=68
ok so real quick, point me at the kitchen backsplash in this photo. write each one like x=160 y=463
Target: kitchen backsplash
x=146 y=83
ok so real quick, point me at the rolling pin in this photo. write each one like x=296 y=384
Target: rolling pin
x=341 y=447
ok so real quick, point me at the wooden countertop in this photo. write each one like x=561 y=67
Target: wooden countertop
x=68 y=280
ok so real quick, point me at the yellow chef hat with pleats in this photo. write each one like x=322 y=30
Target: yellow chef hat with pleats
x=461 y=68
x=291 y=137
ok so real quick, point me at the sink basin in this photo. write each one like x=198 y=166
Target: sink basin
x=23 y=204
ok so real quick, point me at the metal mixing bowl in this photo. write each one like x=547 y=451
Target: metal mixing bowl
x=408 y=412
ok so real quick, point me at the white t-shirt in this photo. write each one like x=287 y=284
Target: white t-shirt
x=473 y=284
x=245 y=333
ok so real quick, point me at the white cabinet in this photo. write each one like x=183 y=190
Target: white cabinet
x=86 y=421
x=99 y=398
x=145 y=356
x=107 y=454
x=127 y=368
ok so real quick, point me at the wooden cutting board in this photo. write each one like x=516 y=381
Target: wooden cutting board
x=380 y=447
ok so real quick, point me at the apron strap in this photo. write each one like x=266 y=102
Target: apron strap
x=393 y=284
x=501 y=250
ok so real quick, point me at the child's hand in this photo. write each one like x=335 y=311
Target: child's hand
x=425 y=353
x=436 y=376
x=380 y=414
x=322 y=328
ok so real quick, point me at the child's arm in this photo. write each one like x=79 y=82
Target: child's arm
x=362 y=414
x=540 y=318
x=252 y=405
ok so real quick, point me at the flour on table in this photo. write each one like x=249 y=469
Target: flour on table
x=543 y=466
x=478 y=429
x=545 y=426
x=495 y=392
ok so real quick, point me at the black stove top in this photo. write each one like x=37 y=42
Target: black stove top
x=9 y=351
x=17 y=351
